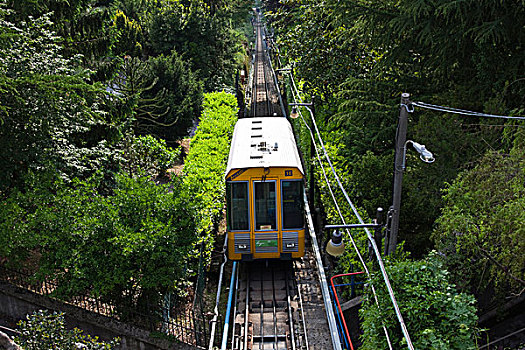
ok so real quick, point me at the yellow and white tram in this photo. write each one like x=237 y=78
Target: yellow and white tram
x=264 y=191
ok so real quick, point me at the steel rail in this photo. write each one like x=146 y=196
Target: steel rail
x=247 y=310
x=218 y=296
x=289 y=303
x=274 y=311
x=302 y=317
x=261 y=306
x=235 y=305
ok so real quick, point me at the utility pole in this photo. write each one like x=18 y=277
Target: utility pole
x=398 y=173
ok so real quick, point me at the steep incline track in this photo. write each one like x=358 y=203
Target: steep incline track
x=267 y=303
x=265 y=96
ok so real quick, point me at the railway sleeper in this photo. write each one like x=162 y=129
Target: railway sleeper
x=255 y=306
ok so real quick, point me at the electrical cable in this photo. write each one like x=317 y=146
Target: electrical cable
x=337 y=206
x=462 y=111
x=354 y=209
x=372 y=241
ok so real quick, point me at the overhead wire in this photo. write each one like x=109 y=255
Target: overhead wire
x=372 y=242
x=358 y=216
x=446 y=109
x=336 y=204
x=296 y=97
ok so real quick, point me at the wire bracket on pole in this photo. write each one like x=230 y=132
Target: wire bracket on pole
x=409 y=107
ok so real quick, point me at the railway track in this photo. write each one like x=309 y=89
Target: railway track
x=268 y=304
x=274 y=304
x=265 y=96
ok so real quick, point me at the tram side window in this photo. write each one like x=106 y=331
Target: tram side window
x=237 y=193
x=265 y=204
x=293 y=205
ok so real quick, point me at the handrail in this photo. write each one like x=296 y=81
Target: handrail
x=229 y=307
x=347 y=334
x=218 y=296
x=334 y=333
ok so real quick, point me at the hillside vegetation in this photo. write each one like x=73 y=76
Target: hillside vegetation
x=95 y=97
x=357 y=57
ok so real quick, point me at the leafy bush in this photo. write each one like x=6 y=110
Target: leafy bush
x=128 y=248
x=49 y=112
x=45 y=331
x=206 y=162
x=436 y=316
x=162 y=92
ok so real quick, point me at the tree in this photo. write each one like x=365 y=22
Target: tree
x=148 y=155
x=480 y=231
x=202 y=35
x=164 y=94
x=367 y=53
x=82 y=25
x=51 y=113
x=130 y=35
x=128 y=249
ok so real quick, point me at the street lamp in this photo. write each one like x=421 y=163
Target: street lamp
x=335 y=246
x=424 y=154
x=294 y=114
x=399 y=167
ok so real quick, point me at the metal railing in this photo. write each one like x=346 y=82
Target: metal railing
x=185 y=326
x=343 y=329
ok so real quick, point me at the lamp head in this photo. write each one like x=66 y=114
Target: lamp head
x=424 y=153
x=335 y=246
x=294 y=113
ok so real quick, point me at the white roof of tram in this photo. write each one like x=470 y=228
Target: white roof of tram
x=263 y=142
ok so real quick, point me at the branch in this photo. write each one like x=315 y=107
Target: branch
x=501 y=266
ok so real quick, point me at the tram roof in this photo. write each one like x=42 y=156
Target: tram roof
x=254 y=144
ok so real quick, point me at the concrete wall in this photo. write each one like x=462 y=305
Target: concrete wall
x=16 y=303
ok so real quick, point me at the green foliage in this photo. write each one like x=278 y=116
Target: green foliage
x=45 y=331
x=182 y=98
x=481 y=230
x=349 y=261
x=451 y=42
x=128 y=248
x=146 y=154
x=206 y=162
x=82 y=25
x=164 y=95
x=202 y=34
x=50 y=113
x=436 y=316
x=130 y=35
x=365 y=53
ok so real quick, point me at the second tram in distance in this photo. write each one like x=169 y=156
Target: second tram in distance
x=264 y=191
